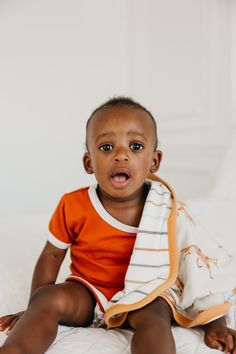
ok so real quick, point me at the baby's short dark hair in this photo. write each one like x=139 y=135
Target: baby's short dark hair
x=119 y=101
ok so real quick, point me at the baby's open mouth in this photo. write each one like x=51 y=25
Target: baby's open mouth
x=120 y=177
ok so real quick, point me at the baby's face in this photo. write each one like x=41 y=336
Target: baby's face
x=121 y=150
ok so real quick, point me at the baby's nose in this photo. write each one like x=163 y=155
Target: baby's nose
x=121 y=154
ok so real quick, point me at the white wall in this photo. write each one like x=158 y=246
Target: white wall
x=233 y=63
x=60 y=59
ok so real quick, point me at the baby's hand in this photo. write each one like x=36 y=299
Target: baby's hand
x=8 y=322
x=219 y=336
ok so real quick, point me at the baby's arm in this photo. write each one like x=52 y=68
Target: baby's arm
x=219 y=336
x=45 y=272
x=47 y=266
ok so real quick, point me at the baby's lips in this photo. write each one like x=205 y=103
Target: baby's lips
x=121 y=172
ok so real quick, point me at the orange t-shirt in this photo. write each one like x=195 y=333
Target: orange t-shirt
x=100 y=245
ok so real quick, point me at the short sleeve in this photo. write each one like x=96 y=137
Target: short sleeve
x=60 y=234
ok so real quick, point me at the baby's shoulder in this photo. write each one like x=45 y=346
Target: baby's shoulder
x=76 y=198
x=77 y=192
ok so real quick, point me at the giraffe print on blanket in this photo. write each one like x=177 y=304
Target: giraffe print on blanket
x=183 y=208
x=201 y=258
x=180 y=285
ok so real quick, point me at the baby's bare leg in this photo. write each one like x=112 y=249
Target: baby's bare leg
x=69 y=303
x=152 y=325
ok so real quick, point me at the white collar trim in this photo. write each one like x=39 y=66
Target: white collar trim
x=105 y=215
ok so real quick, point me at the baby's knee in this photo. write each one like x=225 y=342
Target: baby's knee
x=49 y=298
x=156 y=313
x=161 y=307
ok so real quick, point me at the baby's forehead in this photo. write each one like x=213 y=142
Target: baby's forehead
x=121 y=114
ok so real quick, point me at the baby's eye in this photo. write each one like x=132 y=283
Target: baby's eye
x=136 y=147
x=106 y=147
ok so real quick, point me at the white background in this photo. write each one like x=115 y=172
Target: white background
x=59 y=59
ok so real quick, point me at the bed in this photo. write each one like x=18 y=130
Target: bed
x=23 y=236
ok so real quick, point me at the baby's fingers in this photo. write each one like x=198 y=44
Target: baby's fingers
x=9 y=321
x=13 y=324
x=234 y=351
x=4 y=318
x=213 y=342
x=233 y=335
x=5 y=321
x=229 y=344
x=16 y=319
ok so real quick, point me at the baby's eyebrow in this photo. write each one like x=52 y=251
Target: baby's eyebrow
x=105 y=135
x=135 y=133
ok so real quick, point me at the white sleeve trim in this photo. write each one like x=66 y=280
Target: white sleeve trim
x=57 y=243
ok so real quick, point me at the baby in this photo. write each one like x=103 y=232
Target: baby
x=100 y=224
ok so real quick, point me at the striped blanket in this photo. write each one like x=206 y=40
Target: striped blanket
x=174 y=258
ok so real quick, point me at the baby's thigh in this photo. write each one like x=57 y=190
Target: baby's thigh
x=155 y=312
x=71 y=302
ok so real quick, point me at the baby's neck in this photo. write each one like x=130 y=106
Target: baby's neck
x=129 y=211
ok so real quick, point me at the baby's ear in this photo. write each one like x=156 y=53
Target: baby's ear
x=87 y=163
x=156 y=160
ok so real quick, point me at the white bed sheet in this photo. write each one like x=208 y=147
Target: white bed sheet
x=72 y=340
